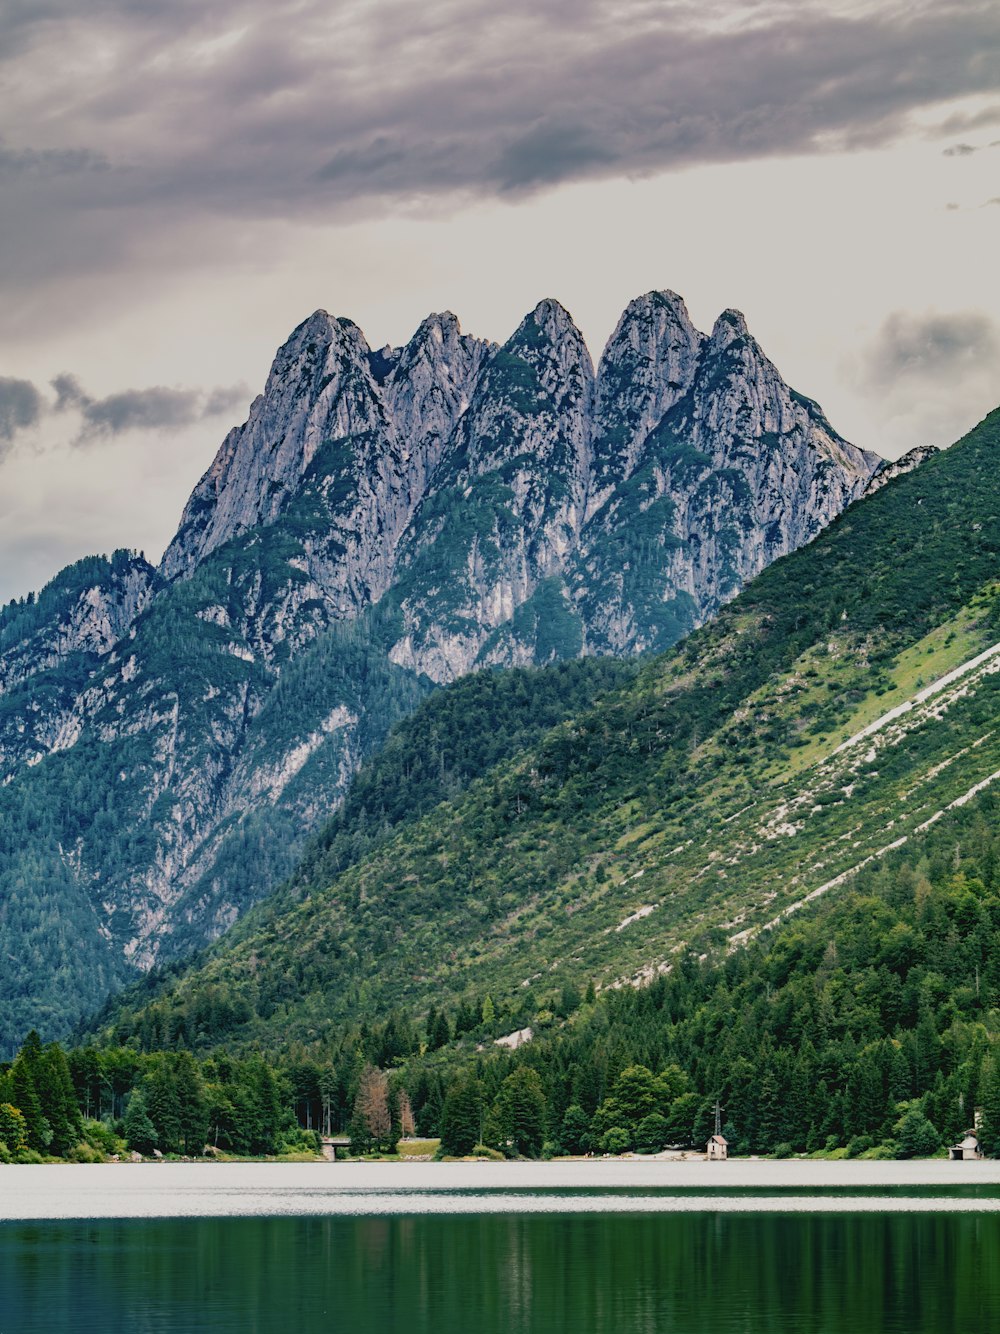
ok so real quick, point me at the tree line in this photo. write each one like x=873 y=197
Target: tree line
x=869 y=1025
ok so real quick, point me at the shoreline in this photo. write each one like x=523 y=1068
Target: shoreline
x=220 y=1190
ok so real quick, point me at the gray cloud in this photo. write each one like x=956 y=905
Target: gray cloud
x=224 y=400
x=928 y=377
x=932 y=347
x=960 y=150
x=21 y=406
x=154 y=409
x=50 y=162
x=232 y=110
x=69 y=393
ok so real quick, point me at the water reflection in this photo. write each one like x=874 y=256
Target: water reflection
x=508 y=1274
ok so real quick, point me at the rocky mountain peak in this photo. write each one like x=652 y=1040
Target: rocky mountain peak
x=740 y=393
x=548 y=324
x=890 y=469
x=648 y=364
x=441 y=347
x=320 y=388
x=431 y=384
x=549 y=341
x=729 y=327
x=553 y=319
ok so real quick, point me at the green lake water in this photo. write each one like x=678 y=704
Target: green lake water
x=508 y=1273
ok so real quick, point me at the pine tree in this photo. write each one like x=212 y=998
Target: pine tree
x=462 y=1117
x=989 y=1092
x=164 y=1108
x=517 y=1117
x=24 y=1092
x=138 y=1129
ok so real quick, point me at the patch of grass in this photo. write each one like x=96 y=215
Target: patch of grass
x=417 y=1148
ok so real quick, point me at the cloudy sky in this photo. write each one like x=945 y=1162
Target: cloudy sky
x=181 y=183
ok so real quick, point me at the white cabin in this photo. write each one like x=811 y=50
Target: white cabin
x=718 y=1149
x=967 y=1150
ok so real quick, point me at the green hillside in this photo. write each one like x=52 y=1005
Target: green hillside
x=685 y=810
x=867 y=1025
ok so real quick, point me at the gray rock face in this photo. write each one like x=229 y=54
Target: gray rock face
x=50 y=645
x=367 y=429
x=460 y=479
x=506 y=508
x=384 y=521
x=887 y=470
x=320 y=389
x=723 y=469
x=427 y=390
x=648 y=365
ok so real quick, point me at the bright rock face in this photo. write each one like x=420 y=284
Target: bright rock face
x=897 y=467
x=382 y=521
x=468 y=482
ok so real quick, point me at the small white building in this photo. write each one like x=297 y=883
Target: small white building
x=718 y=1149
x=966 y=1151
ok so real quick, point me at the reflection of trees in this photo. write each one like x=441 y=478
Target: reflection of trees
x=686 y=1273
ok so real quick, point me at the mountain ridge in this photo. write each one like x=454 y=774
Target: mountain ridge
x=382 y=523
x=758 y=765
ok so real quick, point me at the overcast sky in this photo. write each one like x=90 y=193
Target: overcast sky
x=181 y=183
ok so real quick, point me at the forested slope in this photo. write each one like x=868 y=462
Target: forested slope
x=692 y=805
x=869 y=1024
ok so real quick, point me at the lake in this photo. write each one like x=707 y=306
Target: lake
x=597 y=1253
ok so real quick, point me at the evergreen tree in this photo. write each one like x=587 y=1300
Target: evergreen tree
x=24 y=1092
x=517 y=1117
x=462 y=1117
x=574 y=1135
x=137 y=1128
x=192 y=1118
x=163 y=1107
x=989 y=1085
x=915 y=1136
x=58 y=1099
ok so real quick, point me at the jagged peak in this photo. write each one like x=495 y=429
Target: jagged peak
x=649 y=303
x=323 y=331
x=439 y=329
x=549 y=334
x=730 y=327
x=646 y=319
x=552 y=319
x=441 y=349
x=441 y=324
x=319 y=322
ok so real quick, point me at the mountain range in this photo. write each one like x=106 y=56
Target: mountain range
x=384 y=522
x=494 y=859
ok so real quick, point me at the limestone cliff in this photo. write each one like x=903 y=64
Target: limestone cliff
x=383 y=521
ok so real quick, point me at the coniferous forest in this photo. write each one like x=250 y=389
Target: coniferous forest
x=867 y=1025
x=530 y=844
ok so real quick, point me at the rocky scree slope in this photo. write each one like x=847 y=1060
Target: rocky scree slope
x=383 y=522
x=842 y=706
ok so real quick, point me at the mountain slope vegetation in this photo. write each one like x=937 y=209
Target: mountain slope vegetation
x=762 y=762
x=381 y=524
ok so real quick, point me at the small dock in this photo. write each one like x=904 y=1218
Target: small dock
x=331 y=1143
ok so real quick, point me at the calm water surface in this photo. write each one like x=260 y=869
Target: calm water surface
x=508 y=1273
